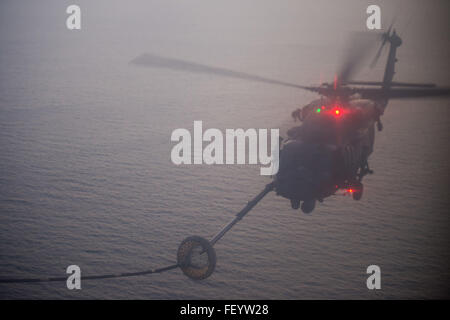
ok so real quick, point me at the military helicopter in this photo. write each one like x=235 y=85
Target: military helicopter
x=329 y=151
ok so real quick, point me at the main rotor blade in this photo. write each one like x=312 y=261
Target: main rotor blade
x=359 y=46
x=393 y=84
x=151 y=60
x=377 y=56
x=400 y=93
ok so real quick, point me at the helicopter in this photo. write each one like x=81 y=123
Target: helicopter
x=329 y=151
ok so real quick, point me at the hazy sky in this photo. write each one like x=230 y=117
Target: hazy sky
x=151 y=25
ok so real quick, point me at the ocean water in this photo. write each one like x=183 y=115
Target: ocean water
x=86 y=176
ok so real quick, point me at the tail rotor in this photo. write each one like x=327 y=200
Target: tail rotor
x=385 y=37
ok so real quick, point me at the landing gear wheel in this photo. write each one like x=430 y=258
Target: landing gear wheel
x=308 y=206
x=196 y=258
x=357 y=194
x=295 y=204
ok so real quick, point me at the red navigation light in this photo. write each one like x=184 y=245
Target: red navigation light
x=319 y=109
x=337 y=111
x=350 y=190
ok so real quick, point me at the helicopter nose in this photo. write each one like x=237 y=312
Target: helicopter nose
x=303 y=170
x=294 y=180
x=296 y=183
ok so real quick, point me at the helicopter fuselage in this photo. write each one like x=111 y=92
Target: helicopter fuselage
x=328 y=152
